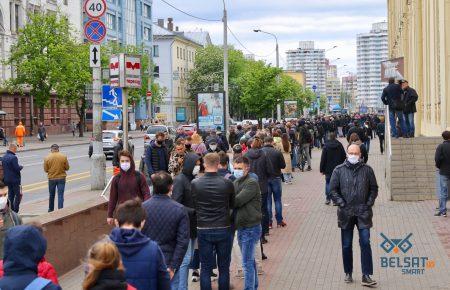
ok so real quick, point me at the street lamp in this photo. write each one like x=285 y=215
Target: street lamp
x=277 y=63
x=225 y=66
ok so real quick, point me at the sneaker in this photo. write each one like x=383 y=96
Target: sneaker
x=195 y=276
x=443 y=214
x=367 y=281
x=327 y=202
x=309 y=168
x=213 y=276
x=282 y=224
x=348 y=278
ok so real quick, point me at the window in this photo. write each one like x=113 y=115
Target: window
x=147 y=11
x=147 y=34
x=178 y=52
x=155 y=50
x=156 y=71
x=184 y=53
x=110 y=21
x=66 y=2
x=120 y=23
x=16 y=17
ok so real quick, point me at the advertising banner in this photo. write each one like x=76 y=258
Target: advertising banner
x=181 y=114
x=211 y=111
x=290 y=109
x=392 y=68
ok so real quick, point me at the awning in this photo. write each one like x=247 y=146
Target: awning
x=2 y=113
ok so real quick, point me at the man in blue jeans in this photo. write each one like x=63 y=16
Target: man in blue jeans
x=410 y=97
x=354 y=188
x=248 y=219
x=442 y=160
x=213 y=198
x=393 y=97
x=56 y=165
x=12 y=176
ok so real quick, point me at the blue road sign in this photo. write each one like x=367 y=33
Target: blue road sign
x=329 y=98
x=111 y=115
x=95 y=30
x=314 y=87
x=111 y=97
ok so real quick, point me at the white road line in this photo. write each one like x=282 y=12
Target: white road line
x=41 y=162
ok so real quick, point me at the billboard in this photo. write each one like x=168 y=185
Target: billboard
x=290 y=109
x=210 y=110
x=392 y=68
x=181 y=114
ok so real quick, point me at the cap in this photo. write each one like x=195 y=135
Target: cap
x=54 y=146
x=402 y=81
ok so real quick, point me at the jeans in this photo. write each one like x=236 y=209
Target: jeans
x=409 y=121
x=220 y=239
x=274 y=188
x=264 y=212
x=294 y=157
x=444 y=182
x=393 y=122
x=248 y=239
x=367 y=144
x=305 y=147
x=180 y=280
x=327 y=187
x=366 y=251
x=14 y=196
x=287 y=177
x=52 y=185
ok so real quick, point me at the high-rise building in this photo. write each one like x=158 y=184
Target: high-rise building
x=349 y=91
x=372 y=49
x=333 y=86
x=310 y=60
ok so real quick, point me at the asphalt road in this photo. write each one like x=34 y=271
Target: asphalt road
x=34 y=179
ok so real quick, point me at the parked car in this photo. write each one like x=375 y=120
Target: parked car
x=153 y=129
x=189 y=129
x=110 y=139
x=249 y=122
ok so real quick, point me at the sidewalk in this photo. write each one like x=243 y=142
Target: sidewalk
x=32 y=143
x=307 y=253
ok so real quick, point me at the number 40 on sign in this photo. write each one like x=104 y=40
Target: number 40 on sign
x=95 y=8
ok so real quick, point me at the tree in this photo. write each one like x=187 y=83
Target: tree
x=39 y=56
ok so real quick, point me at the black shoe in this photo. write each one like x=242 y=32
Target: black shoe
x=309 y=168
x=335 y=204
x=367 y=281
x=348 y=278
x=263 y=256
x=195 y=276
x=443 y=214
x=327 y=202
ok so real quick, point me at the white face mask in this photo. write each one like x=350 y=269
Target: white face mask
x=196 y=170
x=353 y=159
x=3 y=202
x=125 y=166
x=213 y=147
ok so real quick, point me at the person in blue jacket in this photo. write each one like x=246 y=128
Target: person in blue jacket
x=24 y=247
x=12 y=176
x=145 y=268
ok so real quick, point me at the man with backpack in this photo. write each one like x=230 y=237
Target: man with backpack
x=305 y=140
x=126 y=185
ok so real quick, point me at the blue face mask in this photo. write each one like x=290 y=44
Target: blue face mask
x=238 y=173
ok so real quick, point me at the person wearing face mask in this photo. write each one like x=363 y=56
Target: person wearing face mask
x=213 y=147
x=126 y=185
x=181 y=193
x=353 y=187
x=156 y=155
x=8 y=218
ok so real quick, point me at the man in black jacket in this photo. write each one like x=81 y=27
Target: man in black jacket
x=442 y=160
x=358 y=130
x=213 y=200
x=181 y=193
x=354 y=188
x=333 y=154
x=392 y=96
x=410 y=98
x=274 y=182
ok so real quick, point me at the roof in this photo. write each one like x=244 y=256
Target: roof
x=201 y=37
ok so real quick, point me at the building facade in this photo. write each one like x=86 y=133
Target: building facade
x=349 y=92
x=422 y=37
x=13 y=16
x=333 y=87
x=372 y=49
x=174 y=56
x=310 y=60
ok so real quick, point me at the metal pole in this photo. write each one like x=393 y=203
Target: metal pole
x=98 y=164
x=278 y=79
x=225 y=67
x=125 y=118
x=31 y=114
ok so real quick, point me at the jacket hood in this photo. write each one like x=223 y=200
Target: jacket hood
x=24 y=247
x=129 y=241
x=153 y=144
x=333 y=144
x=254 y=153
x=189 y=163
x=132 y=167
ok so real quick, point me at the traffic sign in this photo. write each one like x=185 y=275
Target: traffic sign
x=95 y=8
x=111 y=97
x=95 y=31
x=111 y=114
x=149 y=94
x=94 y=55
x=314 y=87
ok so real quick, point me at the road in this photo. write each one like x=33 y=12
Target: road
x=34 y=179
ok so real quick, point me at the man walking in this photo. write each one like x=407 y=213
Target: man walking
x=20 y=133
x=156 y=155
x=354 y=188
x=380 y=133
x=410 y=98
x=42 y=132
x=305 y=139
x=12 y=176
x=442 y=160
x=213 y=199
x=392 y=96
x=56 y=165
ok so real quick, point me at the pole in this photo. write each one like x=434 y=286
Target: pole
x=278 y=79
x=125 y=118
x=98 y=164
x=225 y=68
x=31 y=114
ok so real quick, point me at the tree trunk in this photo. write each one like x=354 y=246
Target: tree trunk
x=81 y=112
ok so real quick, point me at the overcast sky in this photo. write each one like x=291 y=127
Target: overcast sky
x=327 y=22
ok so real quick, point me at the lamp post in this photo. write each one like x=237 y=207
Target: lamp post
x=225 y=67
x=278 y=65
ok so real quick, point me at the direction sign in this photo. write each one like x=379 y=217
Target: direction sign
x=111 y=97
x=95 y=8
x=95 y=31
x=314 y=87
x=111 y=115
x=94 y=55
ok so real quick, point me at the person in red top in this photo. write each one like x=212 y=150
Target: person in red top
x=126 y=185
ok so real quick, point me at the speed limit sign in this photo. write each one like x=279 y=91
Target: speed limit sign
x=95 y=8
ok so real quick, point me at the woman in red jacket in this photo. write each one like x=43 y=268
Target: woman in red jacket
x=45 y=270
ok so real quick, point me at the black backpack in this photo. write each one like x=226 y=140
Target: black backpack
x=138 y=180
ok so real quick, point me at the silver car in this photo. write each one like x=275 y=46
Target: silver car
x=153 y=129
x=110 y=139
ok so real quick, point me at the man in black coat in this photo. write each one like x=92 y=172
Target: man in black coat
x=354 y=188
x=410 y=98
x=442 y=160
x=358 y=130
x=333 y=154
x=392 y=96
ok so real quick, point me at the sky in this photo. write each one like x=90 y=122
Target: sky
x=327 y=22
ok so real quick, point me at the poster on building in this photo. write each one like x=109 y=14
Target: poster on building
x=211 y=111
x=290 y=109
x=181 y=114
x=392 y=68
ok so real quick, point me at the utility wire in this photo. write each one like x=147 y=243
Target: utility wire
x=189 y=14
x=248 y=50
